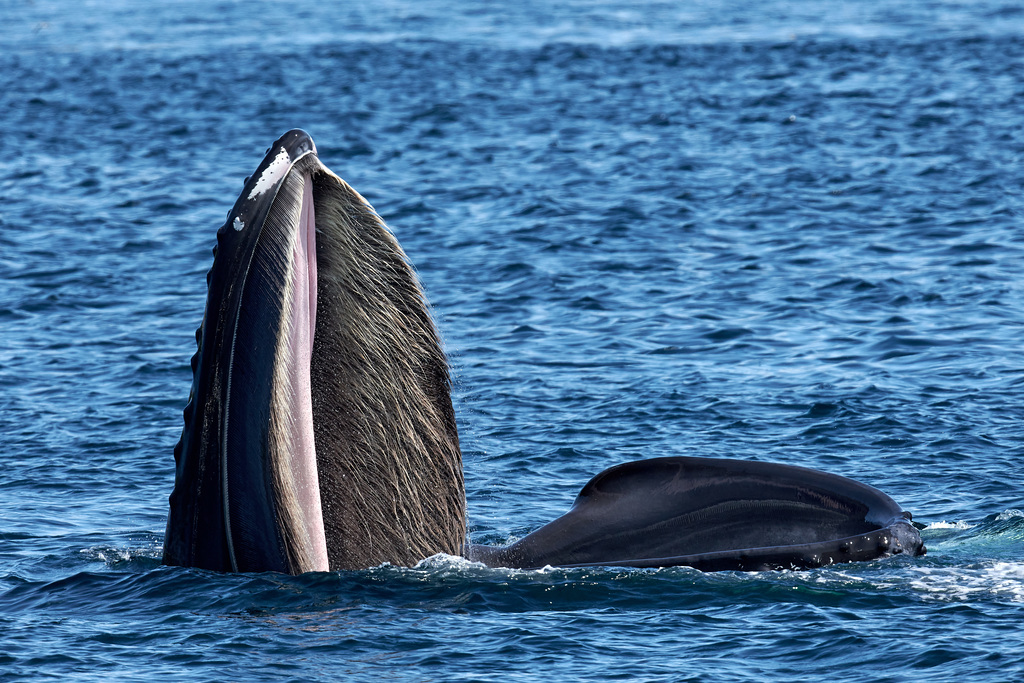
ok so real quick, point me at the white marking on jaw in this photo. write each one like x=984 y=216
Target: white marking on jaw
x=271 y=174
x=238 y=223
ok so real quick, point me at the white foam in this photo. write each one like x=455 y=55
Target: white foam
x=962 y=525
x=443 y=561
x=114 y=555
x=996 y=580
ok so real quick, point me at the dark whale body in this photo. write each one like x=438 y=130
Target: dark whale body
x=320 y=435
x=715 y=514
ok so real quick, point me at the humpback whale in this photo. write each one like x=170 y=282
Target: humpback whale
x=319 y=434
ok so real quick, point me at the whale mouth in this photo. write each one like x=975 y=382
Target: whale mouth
x=299 y=458
x=319 y=434
x=291 y=227
x=268 y=458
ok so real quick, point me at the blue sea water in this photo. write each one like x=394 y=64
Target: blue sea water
x=766 y=230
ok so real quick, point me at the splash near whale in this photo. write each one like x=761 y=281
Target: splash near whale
x=319 y=433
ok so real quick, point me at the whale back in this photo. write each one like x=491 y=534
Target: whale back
x=715 y=514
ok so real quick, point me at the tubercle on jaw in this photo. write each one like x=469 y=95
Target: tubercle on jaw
x=188 y=413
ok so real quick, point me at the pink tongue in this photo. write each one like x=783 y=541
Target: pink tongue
x=303 y=326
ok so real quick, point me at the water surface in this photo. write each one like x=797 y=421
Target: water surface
x=776 y=231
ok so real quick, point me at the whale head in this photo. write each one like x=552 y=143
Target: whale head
x=319 y=433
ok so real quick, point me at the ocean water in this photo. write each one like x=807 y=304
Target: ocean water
x=767 y=230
